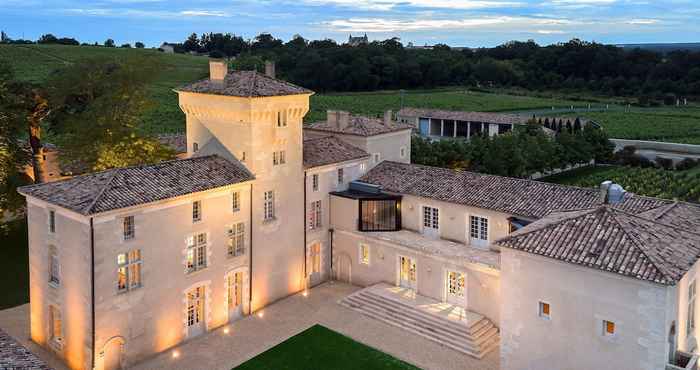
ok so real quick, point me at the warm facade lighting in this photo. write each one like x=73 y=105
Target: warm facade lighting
x=261 y=314
x=306 y=293
x=226 y=330
x=176 y=354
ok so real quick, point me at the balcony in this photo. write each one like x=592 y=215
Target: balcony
x=683 y=361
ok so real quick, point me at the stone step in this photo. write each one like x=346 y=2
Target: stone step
x=477 y=342
x=473 y=332
x=444 y=326
x=414 y=330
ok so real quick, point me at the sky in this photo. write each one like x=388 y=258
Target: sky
x=471 y=23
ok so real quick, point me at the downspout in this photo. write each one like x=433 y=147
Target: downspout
x=250 y=259
x=330 y=234
x=92 y=288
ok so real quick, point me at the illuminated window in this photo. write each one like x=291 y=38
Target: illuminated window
x=236 y=201
x=52 y=221
x=54 y=267
x=314 y=182
x=236 y=240
x=315 y=215
x=56 y=326
x=197 y=211
x=269 y=206
x=129 y=230
x=364 y=254
x=608 y=328
x=129 y=270
x=315 y=253
x=196 y=252
x=544 y=310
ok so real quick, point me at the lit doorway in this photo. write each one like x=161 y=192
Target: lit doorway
x=234 y=290
x=195 y=312
x=407 y=273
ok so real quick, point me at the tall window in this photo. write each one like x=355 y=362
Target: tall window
x=281 y=119
x=431 y=218
x=544 y=310
x=364 y=254
x=376 y=157
x=315 y=258
x=196 y=252
x=52 y=221
x=341 y=176
x=195 y=147
x=236 y=240
x=455 y=284
x=129 y=270
x=236 y=201
x=279 y=158
x=479 y=228
x=54 y=266
x=56 y=325
x=269 y=205
x=129 y=230
x=608 y=328
x=380 y=215
x=403 y=152
x=314 y=182
x=315 y=220
x=691 y=308
x=197 y=211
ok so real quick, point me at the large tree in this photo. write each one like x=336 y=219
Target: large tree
x=97 y=107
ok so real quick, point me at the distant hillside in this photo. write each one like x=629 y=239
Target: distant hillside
x=35 y=63
x=664 y=48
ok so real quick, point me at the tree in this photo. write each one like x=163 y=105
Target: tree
x=139 y=45
x=47 y=39
x=192 y=43
x=126 y=46
x=97 y=108
x=109 y=43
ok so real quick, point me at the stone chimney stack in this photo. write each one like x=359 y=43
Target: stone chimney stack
x=343 y=119
x=218 y=69
x=388 y=117
x=270 y=69
x=604 y=192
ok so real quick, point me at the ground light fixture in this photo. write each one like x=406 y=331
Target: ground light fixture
x=227 y=330
x=176 y=354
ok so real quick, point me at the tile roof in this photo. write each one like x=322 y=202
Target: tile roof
x=679 y=214
x=465 y=116
x=519 y=197
x=246 y=84
x=15 y=356
x=126 y=187
x=359 y=126
x=321 y=151
x=177 y=142
x=612 y=240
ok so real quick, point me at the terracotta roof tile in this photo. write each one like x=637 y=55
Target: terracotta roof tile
x=612 y=240
x=359 y=126
x=465 y=116
x=525 y=198
x=325 y=150
x=246 y=84
x=678 y=214
x=126 y=187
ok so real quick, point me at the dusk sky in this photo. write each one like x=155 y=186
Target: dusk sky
x=470 y=23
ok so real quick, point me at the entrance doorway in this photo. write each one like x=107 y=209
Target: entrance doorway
x=112 y=354
x=455 y=285
x=195 y=312
x=314 y=264
x=407 y=273
x=234 y=289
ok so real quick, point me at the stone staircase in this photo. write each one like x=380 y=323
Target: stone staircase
x=475 y=336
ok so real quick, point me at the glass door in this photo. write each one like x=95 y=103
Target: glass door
x=407 y=273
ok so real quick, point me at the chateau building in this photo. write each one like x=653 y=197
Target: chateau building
x=129 y=262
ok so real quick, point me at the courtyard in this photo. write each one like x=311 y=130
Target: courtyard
x=233 y=345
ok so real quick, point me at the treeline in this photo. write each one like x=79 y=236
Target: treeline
x=324 y=65
x=521 y=153
x=51 y=39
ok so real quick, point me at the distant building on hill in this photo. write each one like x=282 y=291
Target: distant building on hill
x=3 y=36
x=168 y=47
x=357 y=41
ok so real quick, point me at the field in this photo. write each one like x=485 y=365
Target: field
x=35 y=63
x=680 y=185
x=321 y=348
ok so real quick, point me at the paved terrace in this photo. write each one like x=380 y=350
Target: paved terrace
x=253 y=335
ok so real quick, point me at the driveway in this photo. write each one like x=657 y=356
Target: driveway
x=227 y=347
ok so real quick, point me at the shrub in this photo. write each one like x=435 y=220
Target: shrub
x=665 y=163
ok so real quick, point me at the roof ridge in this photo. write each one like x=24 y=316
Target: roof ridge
x=88 y=209
x=654 y=221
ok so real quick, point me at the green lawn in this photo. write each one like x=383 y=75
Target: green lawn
x=14 y=276
x=321 y=348
x=654 y=182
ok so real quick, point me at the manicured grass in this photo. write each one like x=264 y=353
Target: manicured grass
x=321 y=348
x=14 y=275
x=654 y=182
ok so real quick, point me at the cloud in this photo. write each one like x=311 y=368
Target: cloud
x=438 y=4
x=642 y=22
x=121 y=12
x=204 y=13
x=379 y=25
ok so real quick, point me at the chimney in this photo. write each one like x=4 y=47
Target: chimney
x=603 y=192
x=218 y=69
x=332 y=117
x=388 y=117
x=270 y=69
x=343 y=119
